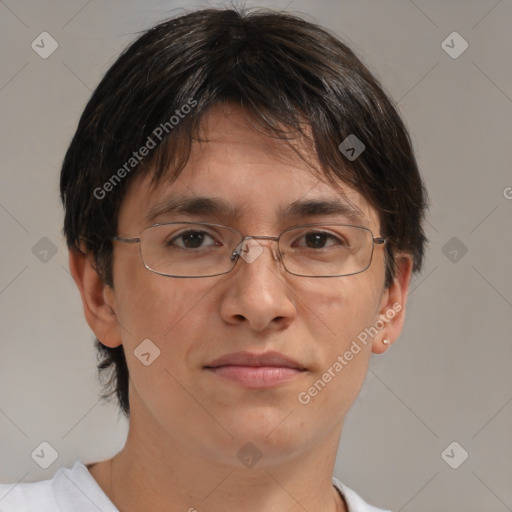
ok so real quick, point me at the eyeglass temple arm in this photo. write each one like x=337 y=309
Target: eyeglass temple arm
x=126 y=240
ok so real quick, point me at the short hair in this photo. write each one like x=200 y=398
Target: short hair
x=285 y=72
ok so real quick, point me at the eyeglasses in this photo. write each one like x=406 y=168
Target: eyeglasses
x=202 y=249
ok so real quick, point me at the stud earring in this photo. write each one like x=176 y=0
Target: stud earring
x=386 y=342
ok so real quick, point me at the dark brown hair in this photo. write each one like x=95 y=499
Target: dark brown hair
x=284 y=71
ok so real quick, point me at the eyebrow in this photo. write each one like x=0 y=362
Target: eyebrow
x=312 y=207
x=201 y=205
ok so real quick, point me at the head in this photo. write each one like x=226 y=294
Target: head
x=248 y=108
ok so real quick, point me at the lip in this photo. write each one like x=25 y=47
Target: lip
x=256 y=370
x=251 y=359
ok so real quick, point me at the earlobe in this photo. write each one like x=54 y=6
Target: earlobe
x=97 y=298
x=392 y=308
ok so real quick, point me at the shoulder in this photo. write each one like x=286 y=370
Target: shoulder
x=27 y=497
x=70 y=490
x=354 y=502
x=75 y=490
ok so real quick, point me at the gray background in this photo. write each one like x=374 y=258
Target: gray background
x=447 y=379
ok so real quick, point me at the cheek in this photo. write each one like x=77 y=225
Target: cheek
x=153 y=306
x=338 y=314
x=338 y=309
x=171 y=313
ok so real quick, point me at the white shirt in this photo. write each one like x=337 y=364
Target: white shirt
x=75 y=490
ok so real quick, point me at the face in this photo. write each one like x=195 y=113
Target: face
x=256 y=308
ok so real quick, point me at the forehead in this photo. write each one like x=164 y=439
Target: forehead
x=236 y=173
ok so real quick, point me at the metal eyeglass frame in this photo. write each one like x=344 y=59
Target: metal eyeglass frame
x=236 y=253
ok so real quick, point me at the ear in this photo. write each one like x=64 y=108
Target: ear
x=97 y=298
x=392 y=306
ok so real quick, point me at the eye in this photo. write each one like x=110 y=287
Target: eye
x=192 y=239
x=320 y=240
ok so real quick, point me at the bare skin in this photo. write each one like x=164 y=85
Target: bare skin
x=187 y=425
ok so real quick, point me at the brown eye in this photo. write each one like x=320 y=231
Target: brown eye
x=191 y=240
x=320 y=240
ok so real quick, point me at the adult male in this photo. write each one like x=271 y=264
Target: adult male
x=243 y=212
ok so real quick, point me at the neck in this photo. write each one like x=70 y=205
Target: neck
x=167 y=476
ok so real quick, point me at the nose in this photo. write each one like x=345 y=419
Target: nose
x=257 y=292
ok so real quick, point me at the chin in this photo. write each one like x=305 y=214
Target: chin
x=272 y=428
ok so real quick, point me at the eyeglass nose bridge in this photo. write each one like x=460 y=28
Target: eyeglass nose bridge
x=237 y=253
